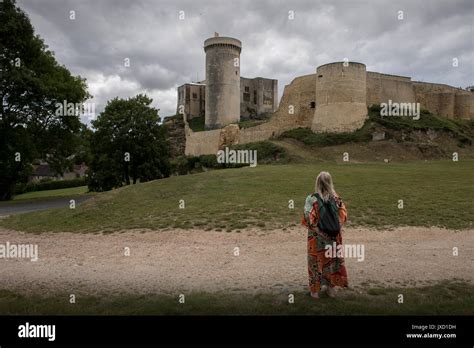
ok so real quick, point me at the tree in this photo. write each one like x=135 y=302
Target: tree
x=32 y=84
x=83 y=149
x=128 y=145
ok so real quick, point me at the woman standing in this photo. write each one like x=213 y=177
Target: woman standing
x=324 y=215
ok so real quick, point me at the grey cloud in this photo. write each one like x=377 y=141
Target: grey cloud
x=165 y=52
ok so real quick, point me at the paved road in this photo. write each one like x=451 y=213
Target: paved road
x=17 y=207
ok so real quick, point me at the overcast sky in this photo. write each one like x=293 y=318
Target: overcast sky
x=166 y=51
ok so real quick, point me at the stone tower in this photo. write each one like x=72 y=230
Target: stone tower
x=341 y=97
x=222 y=81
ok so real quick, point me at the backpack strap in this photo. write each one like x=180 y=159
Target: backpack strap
x=318 y=197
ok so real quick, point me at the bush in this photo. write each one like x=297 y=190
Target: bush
x=307 y=137
x=44 y=185
x=179 y=166
x=267 y=152
x=250 y=123
x=197 y=124
x=375 y=108
x=209 y=161
x=461 y=129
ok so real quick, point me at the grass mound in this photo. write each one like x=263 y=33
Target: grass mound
x=307 y=137
x=233 y=199
x=463 y=130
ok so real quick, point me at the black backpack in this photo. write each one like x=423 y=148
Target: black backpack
x=328 y=216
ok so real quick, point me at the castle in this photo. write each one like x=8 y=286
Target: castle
x=229 y=95
x=334 y=99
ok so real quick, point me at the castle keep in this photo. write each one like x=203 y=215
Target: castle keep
x=222 y=81
x=334 y=99
x=225 y=96
x=258 y=96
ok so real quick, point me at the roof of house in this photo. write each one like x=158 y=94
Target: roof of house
x=43 y=170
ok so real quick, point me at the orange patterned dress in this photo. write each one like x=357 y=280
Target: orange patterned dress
x=323 y=270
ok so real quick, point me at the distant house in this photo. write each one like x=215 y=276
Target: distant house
x=44 y=172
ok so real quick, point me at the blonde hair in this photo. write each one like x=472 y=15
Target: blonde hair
x=324 y=186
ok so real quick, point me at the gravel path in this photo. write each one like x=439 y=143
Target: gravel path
x=180 y=261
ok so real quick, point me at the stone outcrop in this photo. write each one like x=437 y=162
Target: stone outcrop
x=176 y=135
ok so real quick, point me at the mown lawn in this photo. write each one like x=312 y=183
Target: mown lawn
x=447 y=298
x=434 y=194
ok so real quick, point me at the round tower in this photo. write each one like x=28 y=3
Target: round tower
x=341 y=97
x=222 y=81
x=464 y=107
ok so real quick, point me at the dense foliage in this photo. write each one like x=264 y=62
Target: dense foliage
x=128 y=145
x=32 y=83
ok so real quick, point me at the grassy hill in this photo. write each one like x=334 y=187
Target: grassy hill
x=434 y=194
x=430 y=138
x=396 y=128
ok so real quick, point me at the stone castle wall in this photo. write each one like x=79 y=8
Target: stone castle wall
x=258 y=96
x=443 y=100
x=296 y=109
x=201 y=143
x=382 y=87
x=341 y=97
x=464 y=105
x=297 y=103
x=335 y=99
x=191 y=97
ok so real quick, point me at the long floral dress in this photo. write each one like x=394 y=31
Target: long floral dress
x=323 y=270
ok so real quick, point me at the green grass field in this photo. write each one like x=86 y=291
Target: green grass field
x=72 y=191
x=447 y=298
x=433 y=193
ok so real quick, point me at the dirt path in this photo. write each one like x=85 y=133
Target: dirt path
x=179 y=261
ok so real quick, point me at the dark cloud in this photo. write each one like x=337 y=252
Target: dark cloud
x=165 y=52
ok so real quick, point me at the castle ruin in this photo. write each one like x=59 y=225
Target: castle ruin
x=334 y=99
x=224 y=97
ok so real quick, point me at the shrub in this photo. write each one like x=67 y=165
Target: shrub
x=267 y=152
x=209 y=161
x=461 y=129
x=49 y=185
x=179 y=166
x=307 y=137
x=197 y=124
